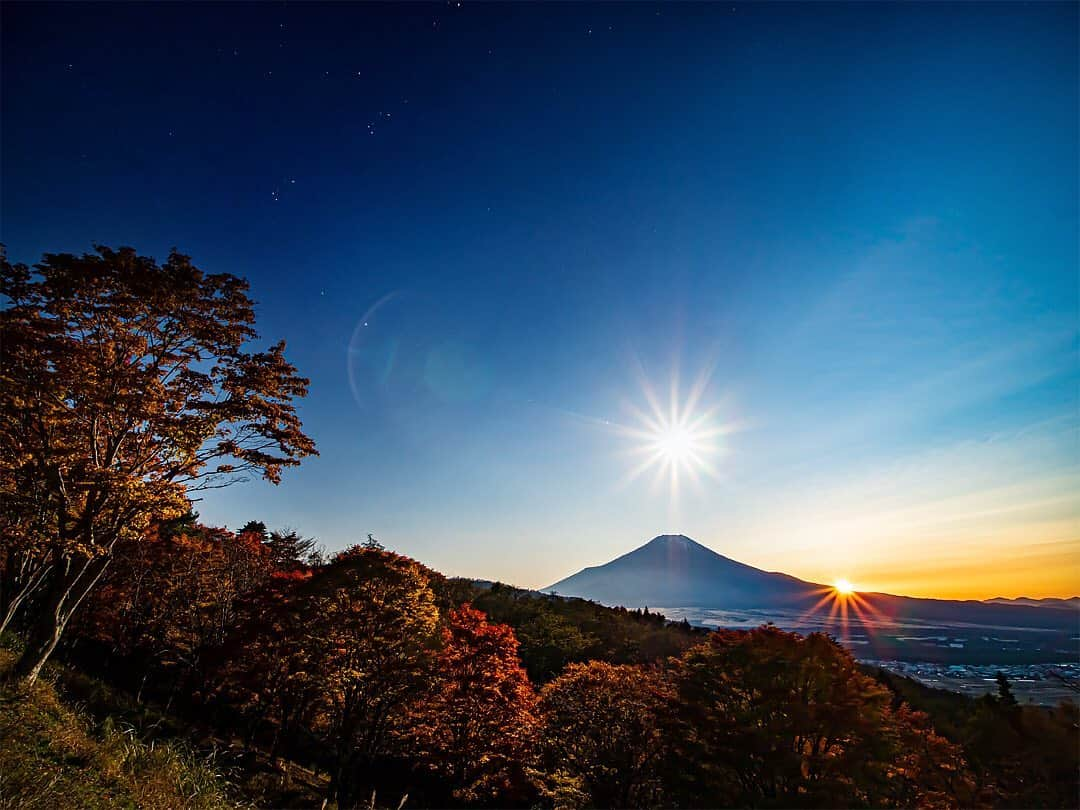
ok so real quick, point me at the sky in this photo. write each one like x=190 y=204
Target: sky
x=845 y=236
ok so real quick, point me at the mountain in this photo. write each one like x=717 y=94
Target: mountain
x=1048 y=601
x=673 y=571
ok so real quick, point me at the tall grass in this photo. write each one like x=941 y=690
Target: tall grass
x=53 y=755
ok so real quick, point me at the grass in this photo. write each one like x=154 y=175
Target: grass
x=55 y=755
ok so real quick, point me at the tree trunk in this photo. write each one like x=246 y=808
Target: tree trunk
x=9 y=610
x=17 y=586
x=67 y=591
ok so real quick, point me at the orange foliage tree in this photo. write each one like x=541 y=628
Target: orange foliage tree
x=369 y=620
x=264 y=670
x=926 y=770
x=477 y=725
x=173 y=595
x=604 y=739
x=124 y=385
x=768 y=717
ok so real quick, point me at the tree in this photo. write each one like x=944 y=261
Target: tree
x=926 y=770
x=370 y=620
x=476 y=727
x=24 y=567
x=256 y=527
x=124 y=386
x=1005 y=693
x=549 y=642
x=768 y=717
x=171 y=596
x=604 y=736
x=289 y=550
x=264 y=668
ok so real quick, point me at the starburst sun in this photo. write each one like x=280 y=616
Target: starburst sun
x=681 y=441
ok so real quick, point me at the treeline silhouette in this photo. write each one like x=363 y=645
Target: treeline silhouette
x=382 y=674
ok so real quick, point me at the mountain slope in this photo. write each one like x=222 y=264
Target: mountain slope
x=673 y=570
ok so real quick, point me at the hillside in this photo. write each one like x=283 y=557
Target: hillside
x=54 y=756
x=554 y=632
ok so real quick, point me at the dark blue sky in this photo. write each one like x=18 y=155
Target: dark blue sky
x=861 y=218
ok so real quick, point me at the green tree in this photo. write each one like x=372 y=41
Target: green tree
x=1005 y=693
x=289 y=550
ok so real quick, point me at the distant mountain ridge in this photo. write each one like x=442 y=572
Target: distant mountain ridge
x=674 y=571
x=1046 y=601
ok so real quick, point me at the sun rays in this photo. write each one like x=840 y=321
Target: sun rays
x=677 y=442
x=846 y=608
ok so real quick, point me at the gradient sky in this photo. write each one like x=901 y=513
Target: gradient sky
x=484 y=231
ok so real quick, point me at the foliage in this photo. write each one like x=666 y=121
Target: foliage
x=769 y=718
x=1019 y=756
x=555 y=631
x=344 y=650
x=124 y=386
x=263 y=670
x=605 y=735
x=476 y=727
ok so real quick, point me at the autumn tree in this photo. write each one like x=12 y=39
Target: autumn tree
x=476 y=727
x=369 y=621
x=771 y=718
x=125 y=385
x=289 y=550
x=925 y=769
x=170 y=596
x=604 y=739
x=264 y=669
x=24 y=566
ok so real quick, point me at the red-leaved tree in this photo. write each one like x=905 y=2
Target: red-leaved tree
x=477 y=727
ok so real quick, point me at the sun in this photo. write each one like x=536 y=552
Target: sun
x=843 y=587
x=677 y=442
x=677 y=445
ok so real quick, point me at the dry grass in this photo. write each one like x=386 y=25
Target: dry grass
x=54 y=756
